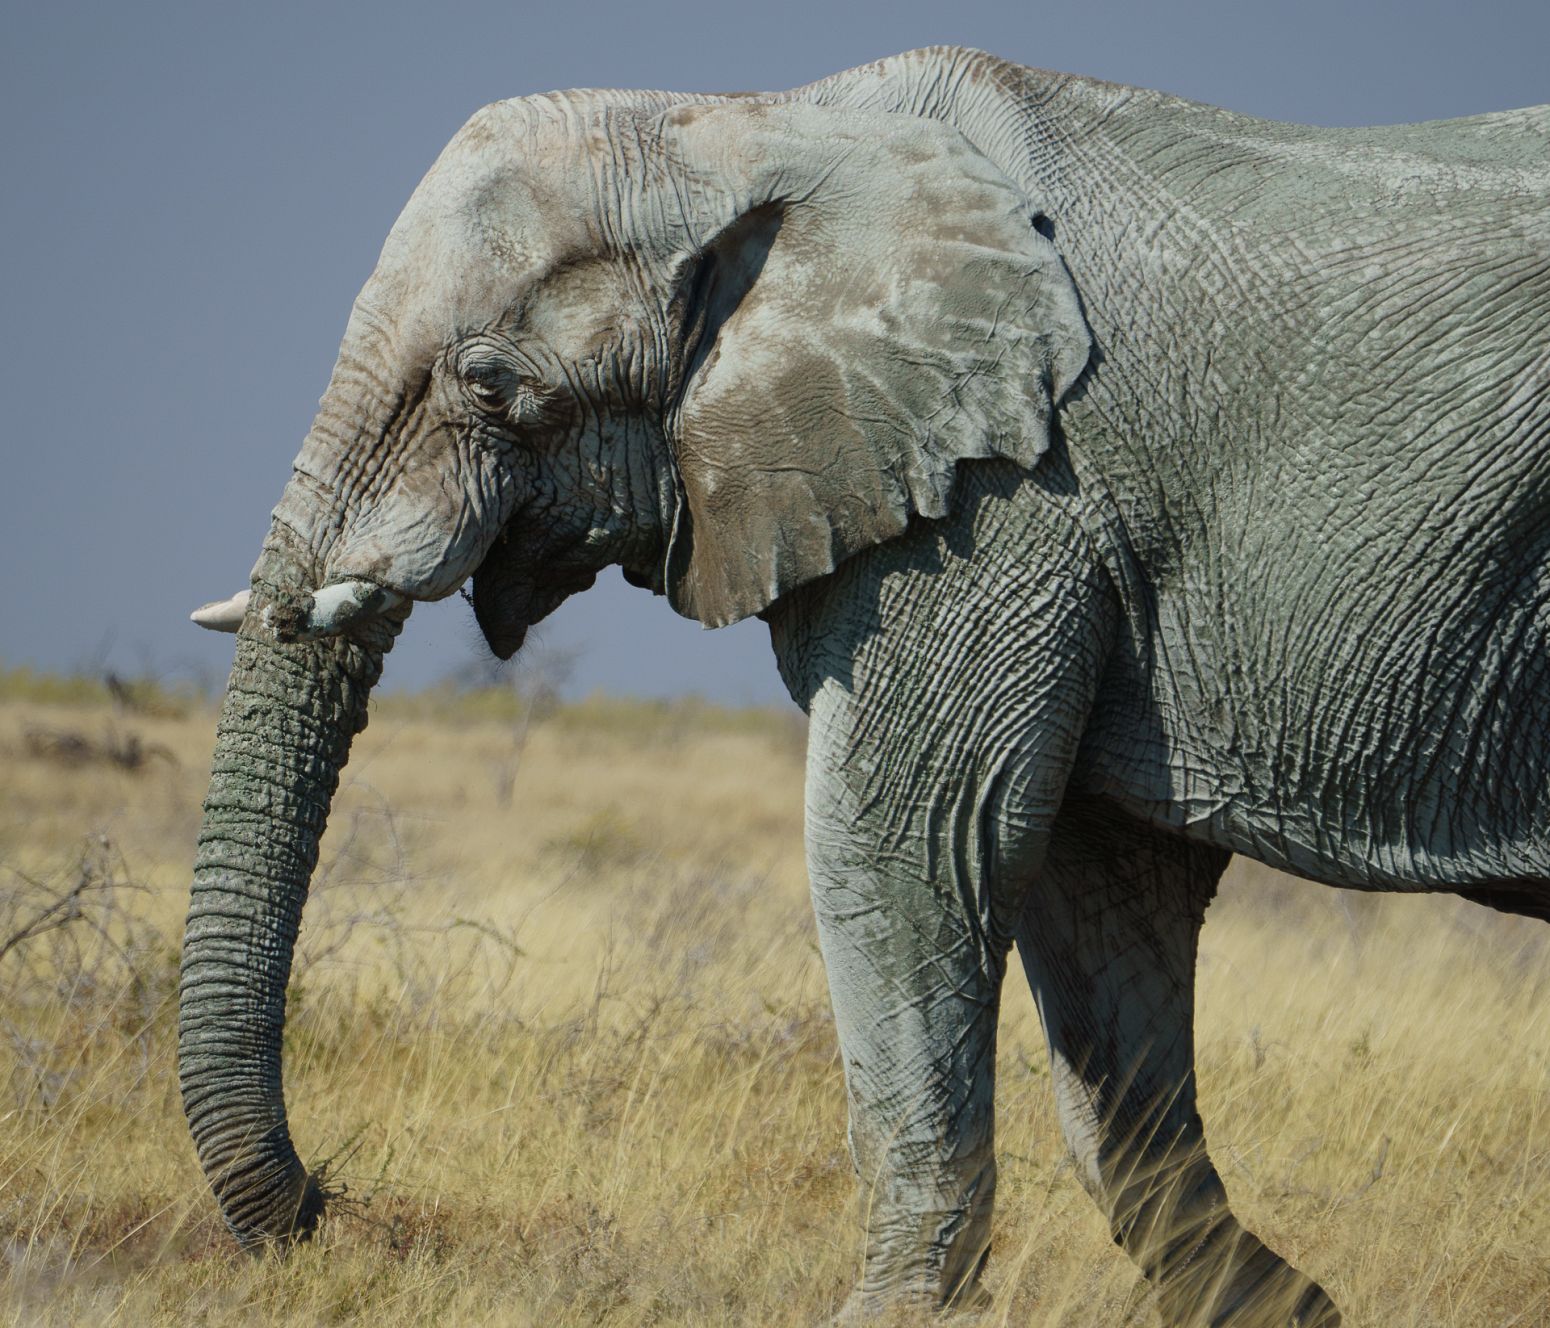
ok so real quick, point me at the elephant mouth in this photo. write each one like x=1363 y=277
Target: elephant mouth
x=507 y=603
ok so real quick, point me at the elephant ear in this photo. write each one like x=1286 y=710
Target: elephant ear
x=872 y=306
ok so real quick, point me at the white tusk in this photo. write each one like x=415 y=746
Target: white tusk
x=223 y=615
x=336 y=607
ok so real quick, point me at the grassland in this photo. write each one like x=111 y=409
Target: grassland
x=560 y=1027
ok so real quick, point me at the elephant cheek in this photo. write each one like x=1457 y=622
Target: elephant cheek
x=428 y=533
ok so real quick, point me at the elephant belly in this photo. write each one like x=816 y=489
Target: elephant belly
x=1412 y=758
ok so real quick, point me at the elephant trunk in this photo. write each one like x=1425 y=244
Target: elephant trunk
x=290 y=713
x=355 y=539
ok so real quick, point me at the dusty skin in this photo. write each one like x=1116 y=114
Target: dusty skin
x=639 y=1118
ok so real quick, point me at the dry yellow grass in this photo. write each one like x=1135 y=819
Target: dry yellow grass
x=561 y=1024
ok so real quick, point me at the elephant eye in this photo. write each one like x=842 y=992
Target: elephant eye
x=486 y=380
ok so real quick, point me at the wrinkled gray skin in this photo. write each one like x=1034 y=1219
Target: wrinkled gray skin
x=1126 y=484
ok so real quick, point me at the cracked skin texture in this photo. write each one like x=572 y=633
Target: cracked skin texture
x=1126 y=483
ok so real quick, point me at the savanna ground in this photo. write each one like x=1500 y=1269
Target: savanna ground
x=559 y=1026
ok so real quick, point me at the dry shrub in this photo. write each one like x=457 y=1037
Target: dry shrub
x=74 y=948
x=116 y=747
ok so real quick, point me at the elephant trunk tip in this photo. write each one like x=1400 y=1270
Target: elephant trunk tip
x=316 y=1196
x=314 y=1200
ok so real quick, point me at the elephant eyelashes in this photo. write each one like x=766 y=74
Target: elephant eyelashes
x=488 y=382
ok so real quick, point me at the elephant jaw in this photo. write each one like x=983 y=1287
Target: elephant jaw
x=326 y=612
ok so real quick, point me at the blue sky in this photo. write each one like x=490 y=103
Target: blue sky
x=191 y=195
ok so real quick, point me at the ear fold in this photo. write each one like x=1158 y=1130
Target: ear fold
x=873 y=306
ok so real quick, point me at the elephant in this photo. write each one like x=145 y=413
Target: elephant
x=1125 y=483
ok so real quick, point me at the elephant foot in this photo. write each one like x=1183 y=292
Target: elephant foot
x=1246 y=1285
x=875 y=1307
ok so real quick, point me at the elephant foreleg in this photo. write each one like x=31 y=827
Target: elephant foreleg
x=947 y=696
x=925 y=820
x=915 y=983
x=1108 y=936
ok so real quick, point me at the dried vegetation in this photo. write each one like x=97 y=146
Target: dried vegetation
x=559 y=1027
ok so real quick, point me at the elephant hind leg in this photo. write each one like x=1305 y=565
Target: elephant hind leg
x=1108 y=937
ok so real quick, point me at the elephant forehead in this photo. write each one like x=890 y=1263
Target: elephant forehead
x=470 y=251
x=512 y=220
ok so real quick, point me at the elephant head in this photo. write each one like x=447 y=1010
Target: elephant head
x=723 y=343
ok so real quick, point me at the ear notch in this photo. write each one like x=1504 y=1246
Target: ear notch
x=877 y=307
